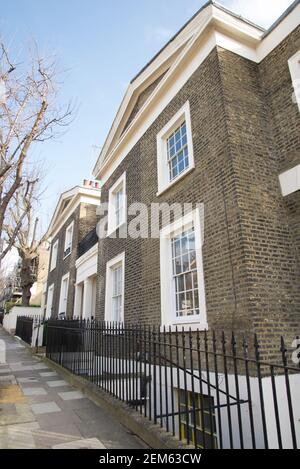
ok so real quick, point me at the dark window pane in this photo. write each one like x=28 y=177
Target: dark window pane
x=188 y=282
x=185 y=263
x=180 y=284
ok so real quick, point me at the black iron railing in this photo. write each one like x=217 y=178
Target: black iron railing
x=88 y=242
x=208 y=390
x=32 y=330
x=24 y=328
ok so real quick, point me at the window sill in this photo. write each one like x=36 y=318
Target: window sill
x=193 y=326
x=65 y=257
x=175 y=181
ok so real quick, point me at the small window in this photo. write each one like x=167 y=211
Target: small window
x=114 y=298
x=195 y=406
x=69 y=240
x=54 y=256
x=294 y=64
x=117 y=205
x=175 y=156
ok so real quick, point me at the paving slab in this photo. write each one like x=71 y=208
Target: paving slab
x=30 y=380
x=91 y=443
x=34 y=392
x=7 y=379
x=54 y=420
x=57 y=384
x=71 y=395
x=45 y=408
x=48 y=374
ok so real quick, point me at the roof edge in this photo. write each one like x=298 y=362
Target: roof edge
x=207 y=4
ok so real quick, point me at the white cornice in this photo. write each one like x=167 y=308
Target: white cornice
x=215 y=28
x=88 y=255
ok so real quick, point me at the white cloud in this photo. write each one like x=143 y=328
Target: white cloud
x=158 y=34
x=261 y=12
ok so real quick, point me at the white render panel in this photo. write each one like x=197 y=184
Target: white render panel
x=290 y=181
x=88 y=266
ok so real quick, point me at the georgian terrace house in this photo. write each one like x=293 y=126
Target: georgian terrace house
x=213 y=120
x=71 y=283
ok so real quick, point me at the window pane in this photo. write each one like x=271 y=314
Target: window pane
x=178 y=265
x=189 y=301
x=185 y=263
x=180 y=284
x=181 y=302
x=188 y=282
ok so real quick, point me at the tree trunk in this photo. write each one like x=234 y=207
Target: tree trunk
x=26 y=294
x=27 y=280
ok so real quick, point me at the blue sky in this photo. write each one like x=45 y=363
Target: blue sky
x=102 y=45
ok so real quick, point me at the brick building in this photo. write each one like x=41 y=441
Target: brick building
x=71 y=283
x=213 y=120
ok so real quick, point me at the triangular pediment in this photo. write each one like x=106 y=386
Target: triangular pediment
x=145 y=88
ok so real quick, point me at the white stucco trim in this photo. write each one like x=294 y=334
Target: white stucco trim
x=294 y=65
x=290 y=181
x=86 y=265
x=168 y=307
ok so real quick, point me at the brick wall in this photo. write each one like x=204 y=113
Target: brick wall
x=241 y=144
x=85 y=219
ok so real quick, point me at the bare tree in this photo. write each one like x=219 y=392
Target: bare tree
x=22 y=233
x=29 y=115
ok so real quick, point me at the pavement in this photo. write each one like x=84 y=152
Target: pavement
x=39 y=410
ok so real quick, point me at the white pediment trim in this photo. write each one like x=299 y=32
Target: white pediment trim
x=215 y=27
x=76 y=196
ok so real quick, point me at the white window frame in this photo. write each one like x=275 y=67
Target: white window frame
x=61 y=299
x=112 y=223
x=294 y=65
x=48 y=307
x=168 y=299
x=118 y=260
x=163 y=174
x=66 y=246
x=54 y=257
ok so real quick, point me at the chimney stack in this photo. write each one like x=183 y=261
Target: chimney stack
x=91 y=184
